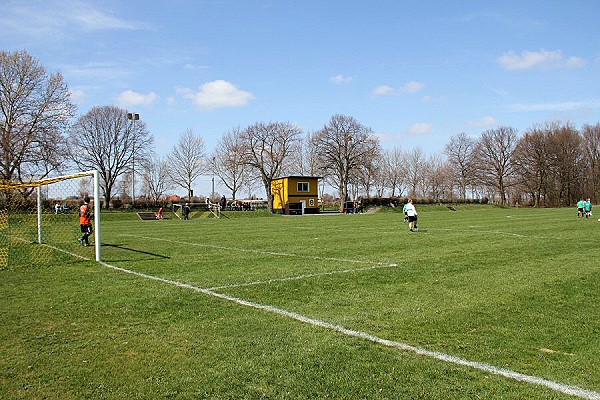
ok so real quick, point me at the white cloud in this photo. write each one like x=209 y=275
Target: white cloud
x=482 y=122
x=409 y=87
x=383 y=90
x=541 y=59
x=565 y=106
x=575 y=62
x=77 y=96
x=55 y=19
x=190 y=66
x=420 y=128
x=412 y=87
x=131 y=98
x=92 y=19
x=217 y=94
x=341 y=79
x=431 y=99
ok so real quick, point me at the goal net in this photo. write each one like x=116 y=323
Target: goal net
x=39 y=220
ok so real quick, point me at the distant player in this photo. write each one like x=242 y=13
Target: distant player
x=159 y=214
x=411 y=213
x=588 y=208
x=580 y=208
x=85 y=221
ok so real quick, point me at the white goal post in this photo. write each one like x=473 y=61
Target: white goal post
x=39 y=220
x=96 y=199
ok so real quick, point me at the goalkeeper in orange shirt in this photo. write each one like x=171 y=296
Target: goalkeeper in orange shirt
x=85 y=221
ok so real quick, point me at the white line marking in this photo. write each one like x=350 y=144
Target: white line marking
x=298 y=277
x=376 y=265
x=556 y=386
x=495 y=233
x=271 y=253
x=66 y=252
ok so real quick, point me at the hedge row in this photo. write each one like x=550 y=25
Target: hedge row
x=398 y=201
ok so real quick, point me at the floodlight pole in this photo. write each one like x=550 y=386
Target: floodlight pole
x=212 y=195
x=133 y=117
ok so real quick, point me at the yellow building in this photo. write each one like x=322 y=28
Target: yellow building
x=296 y=195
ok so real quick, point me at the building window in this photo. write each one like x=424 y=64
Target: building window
x=302 y=186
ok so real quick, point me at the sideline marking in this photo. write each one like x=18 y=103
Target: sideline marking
x=556 y=386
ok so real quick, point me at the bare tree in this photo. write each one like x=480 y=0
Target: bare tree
x=342 y=147
x=494 y=154
x=124 y=187
x=435 y=176
x=228 y=163
x=104 y=139
x=379 y=175
x=35 y=109
x=395 y=168
x=565 y=164
x=156 y=177
x=187 y=161
x=460 y=156
x=267 y=148
x=591 y=145
x=304 y=161
x=531 y=158
x=369 y=174
x=311 y=164
x=415 y=165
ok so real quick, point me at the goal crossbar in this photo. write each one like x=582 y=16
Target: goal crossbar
x=39 y=184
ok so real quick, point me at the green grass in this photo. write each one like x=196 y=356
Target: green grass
x=514 y=288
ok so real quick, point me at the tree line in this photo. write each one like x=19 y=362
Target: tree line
x=550 y=164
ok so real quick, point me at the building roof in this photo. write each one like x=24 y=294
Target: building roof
x=300 y=176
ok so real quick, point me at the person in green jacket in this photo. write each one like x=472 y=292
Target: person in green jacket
x=588 y=208
x=580 y=208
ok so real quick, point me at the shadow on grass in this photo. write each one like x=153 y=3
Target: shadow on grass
x=121 y=247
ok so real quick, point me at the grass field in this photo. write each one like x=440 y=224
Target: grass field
x=482 y=303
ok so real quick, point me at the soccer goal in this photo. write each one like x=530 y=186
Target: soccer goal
x=39 y=220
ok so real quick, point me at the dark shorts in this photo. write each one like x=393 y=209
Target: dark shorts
x=412 y=218
x=580 y=209
x=86 y=228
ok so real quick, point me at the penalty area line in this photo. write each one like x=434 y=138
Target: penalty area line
x=299 y=277
x=556 y=386
x=375 y=264
x=270 y=253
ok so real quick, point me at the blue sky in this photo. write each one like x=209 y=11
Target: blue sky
x=415 y=72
